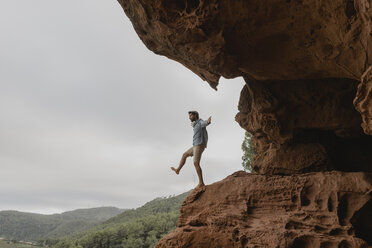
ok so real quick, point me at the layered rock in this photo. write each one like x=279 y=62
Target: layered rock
x=246 y=210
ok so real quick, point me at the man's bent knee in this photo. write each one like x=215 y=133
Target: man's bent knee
x=185 y=155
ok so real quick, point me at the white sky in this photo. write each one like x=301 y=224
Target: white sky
x=90 y=117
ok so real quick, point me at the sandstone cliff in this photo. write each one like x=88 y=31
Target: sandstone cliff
x=323 y=209
x=307 y=102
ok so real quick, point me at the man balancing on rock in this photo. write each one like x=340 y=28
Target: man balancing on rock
x=200 y=140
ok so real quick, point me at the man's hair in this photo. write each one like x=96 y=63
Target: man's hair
x=194 y=113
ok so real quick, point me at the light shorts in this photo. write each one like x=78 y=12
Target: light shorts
x=196 y=152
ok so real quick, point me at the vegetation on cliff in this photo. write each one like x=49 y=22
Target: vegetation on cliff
x=248 y=152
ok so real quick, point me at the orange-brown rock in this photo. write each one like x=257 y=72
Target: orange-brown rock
x=304 y=125
x=324 y=209
x=268 y=40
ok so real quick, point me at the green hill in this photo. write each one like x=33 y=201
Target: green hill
x=136 y=228
x=16 y=225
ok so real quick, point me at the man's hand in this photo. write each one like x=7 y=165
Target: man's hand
x=209 y=120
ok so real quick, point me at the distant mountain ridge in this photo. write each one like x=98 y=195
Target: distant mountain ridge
x=32 y=227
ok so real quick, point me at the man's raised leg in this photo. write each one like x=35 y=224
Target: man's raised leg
x=182 y=163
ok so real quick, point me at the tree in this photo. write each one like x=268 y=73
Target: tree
x=151 y=239
x=248 y=152
x=133 y=242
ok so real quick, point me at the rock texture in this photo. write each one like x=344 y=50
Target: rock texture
x=307 y=102
x=363 y=100
x=328 y=210
x=268 y=40
x=310 y=126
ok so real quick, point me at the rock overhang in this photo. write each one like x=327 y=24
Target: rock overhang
x=267 y=40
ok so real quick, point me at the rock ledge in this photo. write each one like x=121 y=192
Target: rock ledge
x=322 y=209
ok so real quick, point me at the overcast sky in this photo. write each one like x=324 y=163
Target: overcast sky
x=90 y=117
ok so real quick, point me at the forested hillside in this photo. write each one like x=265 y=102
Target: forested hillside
x=137 y=228
x=16 y=225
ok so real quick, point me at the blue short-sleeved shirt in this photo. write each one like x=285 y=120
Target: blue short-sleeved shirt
x=200 y=133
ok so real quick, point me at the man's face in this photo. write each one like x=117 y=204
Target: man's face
x=192 y=117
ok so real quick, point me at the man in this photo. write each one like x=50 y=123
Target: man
x=200 y=140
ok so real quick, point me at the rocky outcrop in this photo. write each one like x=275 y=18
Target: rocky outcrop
x=324 y=209
x=307 y=102
x=310 y=126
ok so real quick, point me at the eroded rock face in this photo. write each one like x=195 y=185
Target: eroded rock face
x=302 y=61
x=268 y=40
x=324 y=209
x=304 y=125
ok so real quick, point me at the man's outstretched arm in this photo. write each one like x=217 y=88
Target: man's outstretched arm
x=207 y=122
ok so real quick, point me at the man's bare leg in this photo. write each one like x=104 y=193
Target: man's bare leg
x=182 y=163
x=200 y=174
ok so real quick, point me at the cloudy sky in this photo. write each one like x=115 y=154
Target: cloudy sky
x=89 y=117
